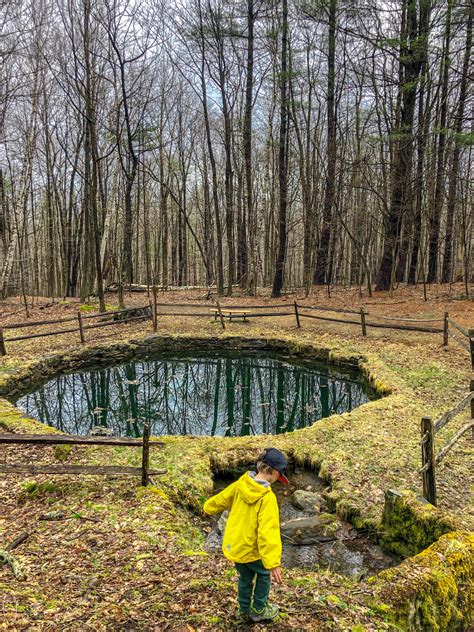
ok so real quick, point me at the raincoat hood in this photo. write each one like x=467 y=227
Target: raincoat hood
x=250 y=490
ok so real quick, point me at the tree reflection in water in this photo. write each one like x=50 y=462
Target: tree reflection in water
x=207 y=395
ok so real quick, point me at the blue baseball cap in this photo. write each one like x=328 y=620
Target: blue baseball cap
x=276 y=459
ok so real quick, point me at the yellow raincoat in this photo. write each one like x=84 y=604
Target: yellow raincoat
x=253 y=528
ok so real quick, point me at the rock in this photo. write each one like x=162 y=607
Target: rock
x=221 y=523
x=54 y=515
x=213 y=543
x=334 y=555
x=318 y=528
x=339 y=558
x=307 y=501
x=101 y=431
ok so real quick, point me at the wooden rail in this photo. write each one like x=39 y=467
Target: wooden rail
x=104 y=470
x=95 y=470
x=429 y=460
x=64 y=439
x=107 y=318
x=365 y=320
x=468 y=344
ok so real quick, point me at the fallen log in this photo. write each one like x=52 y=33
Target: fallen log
x=17 y=541
x=14 y=564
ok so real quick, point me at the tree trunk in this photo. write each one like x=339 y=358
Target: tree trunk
x=400 y=202
x=423 y=126
x=282 y=156
x=322 y=254
x=248 y=219
x=441 y=157
x=454 y=171
x=212 y=160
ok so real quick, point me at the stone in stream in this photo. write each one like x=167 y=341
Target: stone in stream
x=319 y=528
x=213 y=543
x=334 y=555
x=307 y=501
x=339 y=558
x=221 y=523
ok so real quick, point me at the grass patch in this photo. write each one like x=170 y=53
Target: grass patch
x=433 y=376
x=40 y=490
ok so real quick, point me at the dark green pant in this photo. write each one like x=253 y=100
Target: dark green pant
x=247 y=574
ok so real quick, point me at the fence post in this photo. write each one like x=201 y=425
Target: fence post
x=471 y=346
x=362 y=322
x=220 y=314
x=155 y=311
x=445 y=330
x=297 y=316
x=428 y=460
x=3 y=350
x=81 y=328
x=145 y=453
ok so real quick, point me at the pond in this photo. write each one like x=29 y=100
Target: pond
x=227 y=394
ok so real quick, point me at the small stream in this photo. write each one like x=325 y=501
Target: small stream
x=341 y=548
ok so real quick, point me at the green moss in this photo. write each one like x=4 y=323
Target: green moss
x=62 y=452
x=432 y=375
x=410 y=525
x=334 y=600
x=87 y=307
x=432 y=590
x=304 y=582
x=39 y=490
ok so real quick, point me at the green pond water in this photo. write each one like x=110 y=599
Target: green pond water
x=229 y=394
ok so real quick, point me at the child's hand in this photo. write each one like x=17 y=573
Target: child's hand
x=275 y=575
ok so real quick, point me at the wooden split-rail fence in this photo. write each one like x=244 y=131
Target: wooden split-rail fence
x=81 y=326
x=429 y=459
x=464 y=337
x=63 y=439
x=154 y=310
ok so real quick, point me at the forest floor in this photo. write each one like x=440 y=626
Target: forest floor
x=121 y=557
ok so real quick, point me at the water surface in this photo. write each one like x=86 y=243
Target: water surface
x=228 y=394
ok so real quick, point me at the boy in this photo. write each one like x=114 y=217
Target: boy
x=252 y=534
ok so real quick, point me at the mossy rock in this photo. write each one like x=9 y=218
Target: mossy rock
x=432 y=590
x=410 y=524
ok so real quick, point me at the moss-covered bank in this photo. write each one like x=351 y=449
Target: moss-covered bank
x=432 y=591
x=410 y=523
